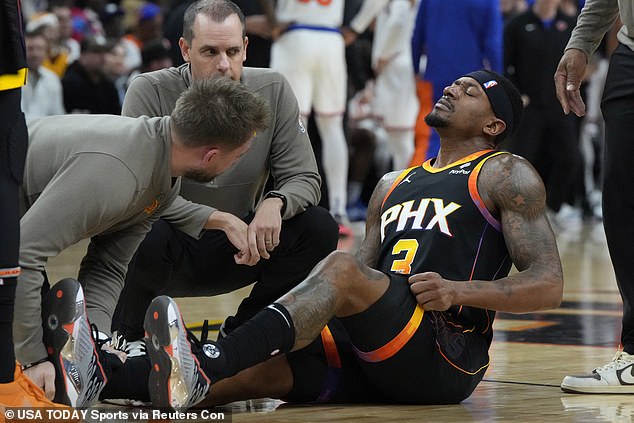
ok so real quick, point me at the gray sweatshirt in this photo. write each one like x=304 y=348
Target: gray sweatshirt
x=101 y=177
x=596 y=18
x=282 y=150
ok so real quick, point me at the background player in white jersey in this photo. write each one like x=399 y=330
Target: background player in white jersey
x=309 y=51
x=395 y=103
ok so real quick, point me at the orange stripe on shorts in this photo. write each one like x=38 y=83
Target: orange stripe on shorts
x=398 y=342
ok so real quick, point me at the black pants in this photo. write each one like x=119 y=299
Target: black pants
x=618 y=202
x=13 y=144
x=172 y=263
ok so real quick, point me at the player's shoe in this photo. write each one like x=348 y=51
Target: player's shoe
x=344 y=226
x=79 y=376
x=22 y=392
x=176 y=379
x=616 y=377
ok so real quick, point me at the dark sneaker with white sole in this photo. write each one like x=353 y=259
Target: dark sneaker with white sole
x=176 y=378
x=79 y=376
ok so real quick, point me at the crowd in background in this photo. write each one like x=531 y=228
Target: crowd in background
x=82 y=54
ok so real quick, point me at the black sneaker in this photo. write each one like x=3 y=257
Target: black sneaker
x=79 y=377
x=176 y=379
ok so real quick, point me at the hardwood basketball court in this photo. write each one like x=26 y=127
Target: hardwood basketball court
x=530 y=355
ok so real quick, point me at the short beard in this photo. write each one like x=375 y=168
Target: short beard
x=198 y=176
x=435 y=121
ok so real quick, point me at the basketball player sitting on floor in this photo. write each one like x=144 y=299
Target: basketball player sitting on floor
x=409 y=318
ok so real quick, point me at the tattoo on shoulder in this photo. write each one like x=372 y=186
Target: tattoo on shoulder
x=514 y=184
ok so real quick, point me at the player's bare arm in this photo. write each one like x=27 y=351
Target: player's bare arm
x=512 y=190
x=369 y=248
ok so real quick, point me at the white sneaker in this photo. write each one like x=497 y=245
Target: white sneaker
x=69 y=339
x=616 y=377
x=176 y=380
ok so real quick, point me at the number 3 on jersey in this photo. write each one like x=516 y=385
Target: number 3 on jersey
x=321 y=2
x=404 y=265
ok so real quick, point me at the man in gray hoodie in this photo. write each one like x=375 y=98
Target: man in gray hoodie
x=275 y=187
x=108 y=178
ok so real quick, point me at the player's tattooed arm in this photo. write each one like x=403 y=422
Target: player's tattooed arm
x=513 y=190
x=369 y=249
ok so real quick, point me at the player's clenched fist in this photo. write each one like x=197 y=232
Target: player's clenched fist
x=432 y=291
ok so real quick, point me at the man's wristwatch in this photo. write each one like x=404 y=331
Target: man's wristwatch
x=273 y=194
x=35 y=363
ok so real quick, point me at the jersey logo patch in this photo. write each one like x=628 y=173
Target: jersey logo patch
x=407 y=178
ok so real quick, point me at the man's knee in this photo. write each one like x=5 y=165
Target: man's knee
x=342 y=270
x=357 y=285
x=320 y=231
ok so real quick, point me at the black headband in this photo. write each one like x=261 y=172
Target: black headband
x=498 y=96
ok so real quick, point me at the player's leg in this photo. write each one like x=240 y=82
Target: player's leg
x=416 y=356
x=13 y=142
x=326 y=371
x=339 y=285
x=291 y=57
x=68 y=337
x=329 y=102
x=16 y=390
x=396 y=104
x=618 y=207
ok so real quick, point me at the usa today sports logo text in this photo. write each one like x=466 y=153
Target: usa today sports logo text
x=112 y=415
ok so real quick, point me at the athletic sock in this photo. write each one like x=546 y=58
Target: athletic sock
x=7 y=300
x=268 y=333
x=129 y=381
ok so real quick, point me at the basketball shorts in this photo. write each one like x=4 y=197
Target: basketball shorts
x=394 y=352
x=313 y=61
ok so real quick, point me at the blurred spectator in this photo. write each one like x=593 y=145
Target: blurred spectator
x=42 y=94
x=86 y=88
x=61 y=9
x=259 y=33
x=57 y=57
x=86 y=20
x=149 y=27
x=570 y=8
x=111 y=17
x=173 y=29
x=155 y=55
x=395 y=104
x=32 y=7
x=533 y=43
x=116 y=70
x=456 y=37
x=512 y=8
